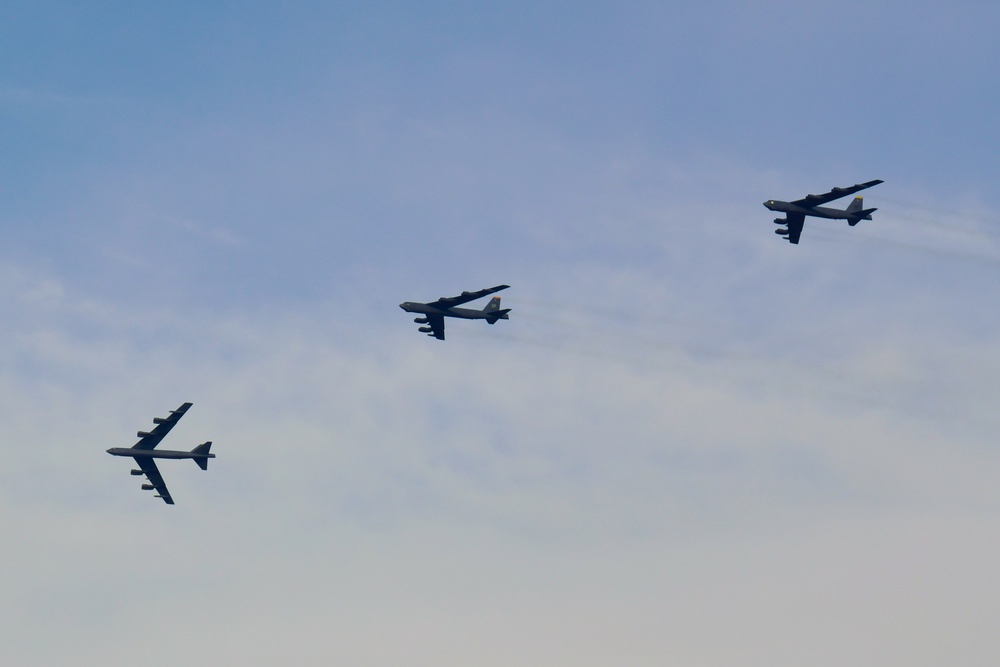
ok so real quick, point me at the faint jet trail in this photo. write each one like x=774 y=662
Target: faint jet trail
x=926 y=248
x=944 y=219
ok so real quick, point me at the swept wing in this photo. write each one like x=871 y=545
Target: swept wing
x=465 y=297
x=163 y=426
x=148 y=466
x=818 y=200
x=794 y=223
x=436 y=323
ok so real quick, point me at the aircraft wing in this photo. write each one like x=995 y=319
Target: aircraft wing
x=436 y=323
x=148 y=466
x=163 y=426
x=794 y=222
x=465 y=297
x=817 y=200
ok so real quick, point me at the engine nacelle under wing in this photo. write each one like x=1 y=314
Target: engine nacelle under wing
x=136 y=472
x=148 y=487
x=142 y=434
x=421 y=320
x=425 y=329
x=781 y=231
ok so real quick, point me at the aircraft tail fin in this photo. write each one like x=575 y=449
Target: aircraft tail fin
x=855 y=212
x=494 y=312
x=203 y=449
x=493 y=305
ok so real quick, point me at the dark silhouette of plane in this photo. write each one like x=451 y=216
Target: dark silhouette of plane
x=144 y=452
x=435 y=311
x=796 y=211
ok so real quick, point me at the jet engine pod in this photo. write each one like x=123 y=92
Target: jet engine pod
x=141 y=434
x=148 y=487
x=159 y=420
x=780 y=221
x=425 y=329
x=420 y=320
x=781 y=231
x=136 y=472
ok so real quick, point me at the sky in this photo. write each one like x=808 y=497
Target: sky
x=692 y=443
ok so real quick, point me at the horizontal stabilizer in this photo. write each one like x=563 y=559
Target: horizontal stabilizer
x=498 y=315
x=865 y=214
x=203 y=450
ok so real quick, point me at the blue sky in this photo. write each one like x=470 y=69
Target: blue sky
x=691 y=443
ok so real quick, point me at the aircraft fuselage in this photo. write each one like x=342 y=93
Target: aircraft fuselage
x=462 y=313
x=157 y=453
x=815 y=211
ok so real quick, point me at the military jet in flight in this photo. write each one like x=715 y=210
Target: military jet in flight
x=145 y=451
x=435 y=311
x=796 y=211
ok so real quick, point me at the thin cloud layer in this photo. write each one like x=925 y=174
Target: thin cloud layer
x=691 y=442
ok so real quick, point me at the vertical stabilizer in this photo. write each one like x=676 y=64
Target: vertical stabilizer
x=855 y=212
x=494 y=312
x=493 y=305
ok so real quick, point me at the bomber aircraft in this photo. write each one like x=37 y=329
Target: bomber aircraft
x=145 y=451
x=435 y=311
x=796 y=211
